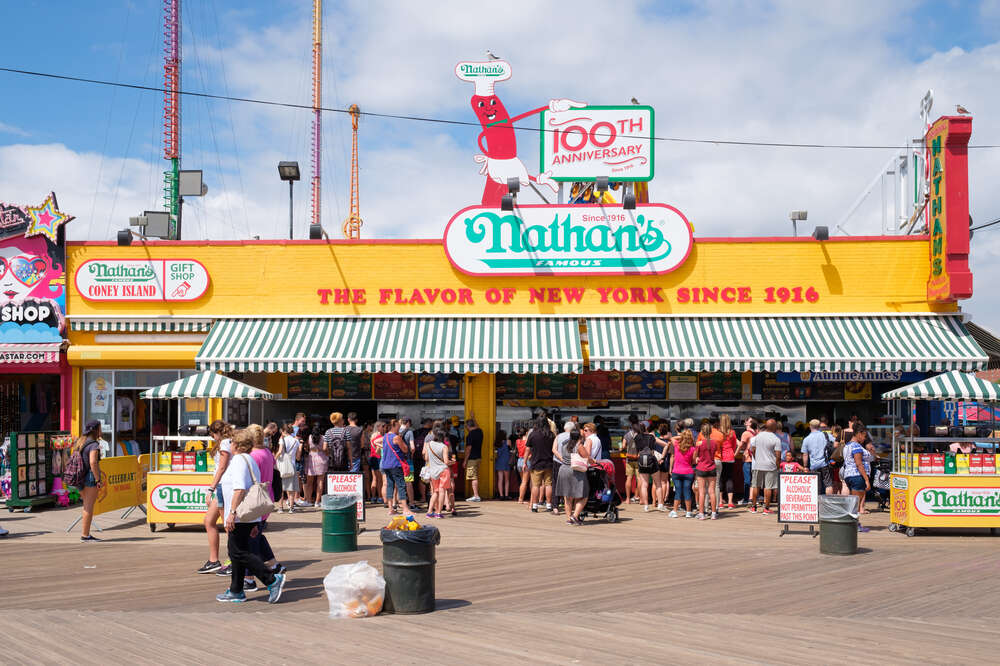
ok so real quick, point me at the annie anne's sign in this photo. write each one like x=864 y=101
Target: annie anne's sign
x=141 y=280
x=568 y=240
x=584 y=143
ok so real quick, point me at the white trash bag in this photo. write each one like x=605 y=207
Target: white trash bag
x=354 y=590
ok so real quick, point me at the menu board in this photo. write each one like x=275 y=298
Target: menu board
x=515 y=387
x=643 y=385
x=828 y=391
x=351 y=385
x=858 y=391
x=395 y=386
x=308 y=385
x=601 y=385
x=772 y=389
x=683 y=386
x=720 y=385
x=557 y=387
x=439 y=386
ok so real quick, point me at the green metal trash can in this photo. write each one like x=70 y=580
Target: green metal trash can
x=408 y=560
x=838 y=524
x=340 y=524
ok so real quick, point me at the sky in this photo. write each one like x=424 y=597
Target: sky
x=793 y=72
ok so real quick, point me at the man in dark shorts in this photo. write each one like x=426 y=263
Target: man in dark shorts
x=353 y=437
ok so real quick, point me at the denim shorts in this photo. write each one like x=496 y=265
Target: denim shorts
x=90 y=481
x=218 y=495
x=855 y=483
x=395 y=483
x=356 y=465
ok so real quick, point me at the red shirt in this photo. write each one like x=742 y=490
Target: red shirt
x=729 y=445
x=706 y=455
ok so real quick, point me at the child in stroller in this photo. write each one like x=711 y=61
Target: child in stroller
x=602 y=496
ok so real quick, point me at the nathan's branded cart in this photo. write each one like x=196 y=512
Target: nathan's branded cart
x=932 y=484
x=181 y=467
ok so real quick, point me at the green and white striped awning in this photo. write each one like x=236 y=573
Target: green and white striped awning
x=949 y=386
x=206 y=385
x=373 y=344
x=142 y=325
x=935 y=343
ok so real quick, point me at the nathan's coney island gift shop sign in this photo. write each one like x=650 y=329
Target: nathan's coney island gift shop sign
x=142 y=280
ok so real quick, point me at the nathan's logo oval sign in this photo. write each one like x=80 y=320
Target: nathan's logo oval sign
x=179 y=498
x=141 y=280
x=568 y=240
x=958 y=501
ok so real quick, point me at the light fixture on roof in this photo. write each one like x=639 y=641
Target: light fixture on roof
x=795 y=216
x=290 y=171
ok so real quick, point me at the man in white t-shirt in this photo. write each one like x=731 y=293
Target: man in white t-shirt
x=765 y=448
x=239 y=478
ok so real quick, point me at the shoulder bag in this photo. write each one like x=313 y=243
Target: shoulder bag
x=257 y=503
x=577 y=462
x=284 y=463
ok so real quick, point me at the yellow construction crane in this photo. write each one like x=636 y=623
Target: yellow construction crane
x=352 y=225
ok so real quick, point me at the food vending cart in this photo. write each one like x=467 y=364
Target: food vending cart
x=181 y=467
x=948 y=477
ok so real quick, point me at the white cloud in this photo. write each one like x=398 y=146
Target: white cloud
x=14 y=131
x=788 y=72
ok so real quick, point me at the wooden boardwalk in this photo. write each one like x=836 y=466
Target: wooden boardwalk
x=512 y=587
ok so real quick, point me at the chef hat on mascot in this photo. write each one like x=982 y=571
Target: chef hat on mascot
x=484 y=75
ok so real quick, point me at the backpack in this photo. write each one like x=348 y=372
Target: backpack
x=336 y=446
x=828 y=449
x=647 y=459
x=75 y=473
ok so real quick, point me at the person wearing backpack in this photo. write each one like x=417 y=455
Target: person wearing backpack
x=84 y=472
x=338 y=447
x=631 y=461
x=646 y=461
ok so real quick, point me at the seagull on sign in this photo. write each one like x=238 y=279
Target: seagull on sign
x=490 y=55
x=635 y=101
x=962 y=110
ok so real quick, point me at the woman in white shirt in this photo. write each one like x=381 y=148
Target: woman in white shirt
x=289 y=446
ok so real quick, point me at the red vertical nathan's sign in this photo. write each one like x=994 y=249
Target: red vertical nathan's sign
x=947 y=144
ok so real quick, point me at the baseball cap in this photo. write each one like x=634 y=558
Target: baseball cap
x=92 y=425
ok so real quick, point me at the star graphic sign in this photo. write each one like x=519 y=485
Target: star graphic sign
x=45 y=219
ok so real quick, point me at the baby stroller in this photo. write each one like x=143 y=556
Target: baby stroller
x=602 y=496
x=880 y=483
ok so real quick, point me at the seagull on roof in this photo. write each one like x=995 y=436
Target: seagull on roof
x=635 y=101
x=962 y=110
x=490 y=55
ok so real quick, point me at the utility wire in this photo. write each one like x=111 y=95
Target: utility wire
x=445 y=121
x=983 y=226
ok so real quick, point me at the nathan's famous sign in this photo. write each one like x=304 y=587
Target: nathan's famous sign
x=579 y=143
x=568 y=240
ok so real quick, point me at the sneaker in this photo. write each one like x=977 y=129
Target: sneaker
x=475 y=498
x=741 y=503
x=249 y=584
x=278 y=568
x=862 y=529
x=673 y=514
x=646 y=508
x=226 y=570
x=89 y=538
x=688 y=514
x=660 y=507
x=301 y=502
x=229 y=597
x=548 y=507
x=275 y=588
x=209 y=567
x=714 y=515
x=430 y=515
x=534 y=508
x=700 y=516
x=730 y=505
x=766 y=511
x=753 y=509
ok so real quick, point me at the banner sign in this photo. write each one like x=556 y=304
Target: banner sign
x=122 y=484
x=568 y=240
x=179 y=497
x=139 y=280
x=347 y=484
x=585 y=143
x=851 y=376
x=798 y=498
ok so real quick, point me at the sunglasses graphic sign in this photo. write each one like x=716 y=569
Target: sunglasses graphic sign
x=138 y=280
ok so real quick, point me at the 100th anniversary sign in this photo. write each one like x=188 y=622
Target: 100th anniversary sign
x=568 y=240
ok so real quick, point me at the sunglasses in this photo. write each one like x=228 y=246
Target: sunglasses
x=28 y=272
